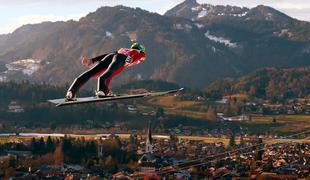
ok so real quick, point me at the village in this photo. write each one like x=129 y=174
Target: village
x=138 y=157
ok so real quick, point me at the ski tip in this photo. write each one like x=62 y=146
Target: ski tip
x=181 y=89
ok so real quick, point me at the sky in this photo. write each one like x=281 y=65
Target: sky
x=15 y=13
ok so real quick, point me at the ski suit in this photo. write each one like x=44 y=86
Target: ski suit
x=108 y=66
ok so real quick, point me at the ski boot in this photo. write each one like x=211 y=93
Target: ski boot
x=70 y=96
x=100 y=94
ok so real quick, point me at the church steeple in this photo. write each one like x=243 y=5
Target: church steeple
x=149 y=140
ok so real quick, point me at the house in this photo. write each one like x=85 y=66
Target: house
x=242 y=117
x=14 y=107
x=222 y=101
x=131 y=108
x=20 y=154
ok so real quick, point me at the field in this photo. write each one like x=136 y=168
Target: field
x=239 y=96
x=19 y=139
x=285 y=123
x=198 y=110
x=172 y=106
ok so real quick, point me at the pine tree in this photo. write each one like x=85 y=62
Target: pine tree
x=33 y=146
x=41 y=146
x=49 y=144
x=232 y=140
x=274 y=120
x=90 y=163
x=259 y=155
x=160 y=112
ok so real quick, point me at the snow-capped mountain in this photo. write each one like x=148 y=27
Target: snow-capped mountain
x=229 y=19
x=192 y=45
x=190 y=9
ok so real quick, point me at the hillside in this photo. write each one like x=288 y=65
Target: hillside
x=181 y=49
x=260 y=21
x=270 y=83
x=24 y=108
x=58 y=50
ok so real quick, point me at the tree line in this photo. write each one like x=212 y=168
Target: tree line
x=275 y=84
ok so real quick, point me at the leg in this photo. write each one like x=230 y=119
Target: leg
x=83 y=78
x=116 y=66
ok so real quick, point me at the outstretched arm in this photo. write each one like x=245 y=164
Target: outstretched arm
x=98 y=58
x=88 y=62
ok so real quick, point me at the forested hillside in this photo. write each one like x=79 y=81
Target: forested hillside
x=270 y=83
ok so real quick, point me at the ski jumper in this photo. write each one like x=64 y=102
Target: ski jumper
x=108 y=66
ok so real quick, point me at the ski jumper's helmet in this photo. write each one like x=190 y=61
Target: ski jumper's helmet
x=138 y=47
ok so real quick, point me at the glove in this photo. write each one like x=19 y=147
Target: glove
x=86 y=61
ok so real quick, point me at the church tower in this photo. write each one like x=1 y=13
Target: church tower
x=149 y=141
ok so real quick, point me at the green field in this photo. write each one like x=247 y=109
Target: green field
x=173 y=106
x=284 y=123
x=259 y=123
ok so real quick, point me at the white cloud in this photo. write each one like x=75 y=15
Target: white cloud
x=35 y=18
x=297 y=9
x=301 y=14
x=32 y=19
x=250 y=3
x=23 y=2
x=162 y=8
x=287 y=5
x=7 y=28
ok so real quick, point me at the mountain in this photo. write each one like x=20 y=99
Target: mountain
x=52 y=50
x=228 y=20
x=190 y=9
x=191 y=52
x=268 y=83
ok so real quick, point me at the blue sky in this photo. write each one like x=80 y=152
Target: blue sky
x=14 y=13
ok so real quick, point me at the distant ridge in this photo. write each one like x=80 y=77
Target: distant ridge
x=191 y=45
